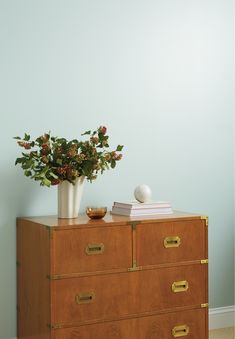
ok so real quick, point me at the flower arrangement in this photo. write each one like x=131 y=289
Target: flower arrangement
x=51 y=160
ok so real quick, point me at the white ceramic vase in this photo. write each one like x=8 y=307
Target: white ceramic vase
x=69 y=198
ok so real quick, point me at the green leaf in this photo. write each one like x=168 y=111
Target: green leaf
x=61 y=141
x=27 y=173
x=86 y=133
x=53 y=175
x=39 y=141
x=34 y=154
x=19 y=161
x=119 y=148
x=46 y=182
x=17 y=138
x=25 y=155
x=41 y=175
x=113 y=163
x=26 y=137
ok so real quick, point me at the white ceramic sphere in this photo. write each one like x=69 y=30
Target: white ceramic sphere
x=143 y=193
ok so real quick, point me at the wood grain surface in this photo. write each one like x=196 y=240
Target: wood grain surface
x=127 y=287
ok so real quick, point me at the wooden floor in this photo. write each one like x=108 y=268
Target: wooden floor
x=223 y=333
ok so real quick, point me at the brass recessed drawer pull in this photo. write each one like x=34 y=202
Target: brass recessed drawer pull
x=172 y=242
x=92 y=249
x=179 y=286
x=85 y=298
x=180 y=331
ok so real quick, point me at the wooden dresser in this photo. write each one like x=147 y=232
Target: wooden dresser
x=115 y=278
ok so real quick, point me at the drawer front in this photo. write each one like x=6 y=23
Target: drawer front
x=110 y=296
x=171 y=242
x=187 y=324
x=91 y=249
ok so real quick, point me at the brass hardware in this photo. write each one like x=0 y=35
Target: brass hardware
x=204 y=217
x=54 y=326
x=92 y=249
x=134 y=224
x=135 y=267
x=172 y=242
x=204 y=305
x=179 y=286
x=204 y=261
x=85 y=298
x=180 y=331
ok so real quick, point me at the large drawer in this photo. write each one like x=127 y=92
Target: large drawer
x=171 y=242
x=108 y=296
x=91 y=249
x=187 y=324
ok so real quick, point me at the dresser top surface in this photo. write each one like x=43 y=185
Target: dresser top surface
x=109 y=219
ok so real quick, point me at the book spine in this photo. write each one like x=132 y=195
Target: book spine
x=146 y=211
x=140 y=207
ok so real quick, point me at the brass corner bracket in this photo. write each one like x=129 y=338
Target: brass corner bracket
x=204 y=261
x=204 y=305
x=134 y=224
x=205 y=217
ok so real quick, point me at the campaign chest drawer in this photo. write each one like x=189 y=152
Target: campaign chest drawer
x=104 y=297
x=91 y=249
x=190 y=324
x=170 y=242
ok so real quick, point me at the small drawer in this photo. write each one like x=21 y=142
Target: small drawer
x=190 y=324
x=91 y=249
x=171 y=242
x=105 y=297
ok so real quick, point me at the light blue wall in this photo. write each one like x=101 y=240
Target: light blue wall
x=158 y=74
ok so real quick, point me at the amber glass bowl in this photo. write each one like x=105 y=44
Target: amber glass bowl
x=96 y=212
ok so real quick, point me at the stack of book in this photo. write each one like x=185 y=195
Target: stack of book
x=132 y=209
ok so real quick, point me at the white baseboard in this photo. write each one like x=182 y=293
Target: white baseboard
x=221 y=317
